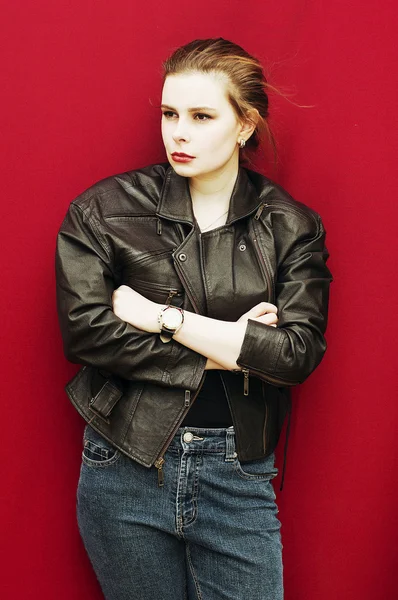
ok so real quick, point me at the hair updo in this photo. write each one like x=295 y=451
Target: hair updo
x=247 y=84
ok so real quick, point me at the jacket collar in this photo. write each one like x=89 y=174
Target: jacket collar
x=176 y=203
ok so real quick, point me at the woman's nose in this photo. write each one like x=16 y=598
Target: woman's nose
x=180 y=132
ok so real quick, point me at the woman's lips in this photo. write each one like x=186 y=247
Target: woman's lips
x=181 y=157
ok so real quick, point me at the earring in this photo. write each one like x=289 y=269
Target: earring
x=242 y=143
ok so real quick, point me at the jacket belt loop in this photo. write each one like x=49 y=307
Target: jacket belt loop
x=103 y=403
x=230 y=453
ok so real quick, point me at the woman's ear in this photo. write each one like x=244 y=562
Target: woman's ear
x=249 y=124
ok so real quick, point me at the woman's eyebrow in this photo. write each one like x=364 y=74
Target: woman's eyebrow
x=194 y=109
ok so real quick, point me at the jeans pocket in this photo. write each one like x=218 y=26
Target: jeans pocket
x=97 y=451
x=261 y=469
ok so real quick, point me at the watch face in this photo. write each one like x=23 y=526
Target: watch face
x=172 y=318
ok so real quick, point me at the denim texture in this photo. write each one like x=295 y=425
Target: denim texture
x=210 y=533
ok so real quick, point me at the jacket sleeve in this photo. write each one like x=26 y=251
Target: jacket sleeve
x=287 y=354
x=92 y=334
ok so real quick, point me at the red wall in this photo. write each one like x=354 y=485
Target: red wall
x=81 y=81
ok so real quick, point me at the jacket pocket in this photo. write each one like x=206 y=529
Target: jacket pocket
x=165 y=294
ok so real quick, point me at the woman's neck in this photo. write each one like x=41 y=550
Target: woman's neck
x=211 y=199
x=211 y=192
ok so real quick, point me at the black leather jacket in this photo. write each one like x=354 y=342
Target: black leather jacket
x=137 y=229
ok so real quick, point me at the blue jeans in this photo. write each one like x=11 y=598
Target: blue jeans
x=210 y=533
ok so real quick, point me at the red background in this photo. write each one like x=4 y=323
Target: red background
x=81 y=83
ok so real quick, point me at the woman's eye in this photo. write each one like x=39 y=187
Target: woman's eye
x=169 y=114
x=202 y=117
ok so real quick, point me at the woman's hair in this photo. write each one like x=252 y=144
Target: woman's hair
x=247 y=85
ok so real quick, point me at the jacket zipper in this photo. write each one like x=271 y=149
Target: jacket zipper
x=159 y=462
x=156 y=287
x=281 y=203
x=170 y=296
x=260 y=210
x=266 y=405
x=291 y=207
x=266 y=378
x=246 y=373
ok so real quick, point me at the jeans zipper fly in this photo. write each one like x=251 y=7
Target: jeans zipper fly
x=159 y=462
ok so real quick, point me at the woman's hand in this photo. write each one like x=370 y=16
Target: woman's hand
x=264 y=312
x=132 y=307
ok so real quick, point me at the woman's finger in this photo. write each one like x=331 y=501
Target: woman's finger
x=258 y=310
x=264 y=307
x=268 y=319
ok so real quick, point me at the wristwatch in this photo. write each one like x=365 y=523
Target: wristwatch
x=170 y=320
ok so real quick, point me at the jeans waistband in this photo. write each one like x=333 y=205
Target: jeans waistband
x=205 y=440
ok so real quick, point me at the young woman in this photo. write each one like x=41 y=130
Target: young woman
x=195 y=294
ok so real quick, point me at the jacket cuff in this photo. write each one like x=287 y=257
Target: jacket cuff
x=261 y=347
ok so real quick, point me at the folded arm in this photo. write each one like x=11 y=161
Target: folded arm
x=219 y=341
x=289 y=354
x=283 y=355
x=92 y=334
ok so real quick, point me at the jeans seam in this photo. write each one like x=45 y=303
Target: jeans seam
x=195 y=493
x=194 y=577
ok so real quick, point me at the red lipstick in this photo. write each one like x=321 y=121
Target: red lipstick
x=181 y=157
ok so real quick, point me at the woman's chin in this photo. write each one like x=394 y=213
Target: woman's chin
x=184 y=169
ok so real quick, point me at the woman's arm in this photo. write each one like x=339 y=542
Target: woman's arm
x=287 y=355
x=283 y=355
x=219 y=341
x=92 y=334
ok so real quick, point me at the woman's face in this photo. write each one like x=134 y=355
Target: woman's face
x=198 y=120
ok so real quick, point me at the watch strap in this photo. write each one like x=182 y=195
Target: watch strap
x=166 y=335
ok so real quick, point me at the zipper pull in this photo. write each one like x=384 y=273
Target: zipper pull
x=159 y=227
x=170 y=296
x=187 y=397
x=159 y=465
x=260 y=210
x=245 y=382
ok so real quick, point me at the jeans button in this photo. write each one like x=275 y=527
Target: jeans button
x=188 y=436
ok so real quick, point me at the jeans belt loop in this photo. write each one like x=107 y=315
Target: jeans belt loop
x=230 y=453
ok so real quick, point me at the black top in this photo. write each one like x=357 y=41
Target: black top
x=211 y=408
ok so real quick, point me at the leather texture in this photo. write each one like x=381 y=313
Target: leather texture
x=138 y=229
